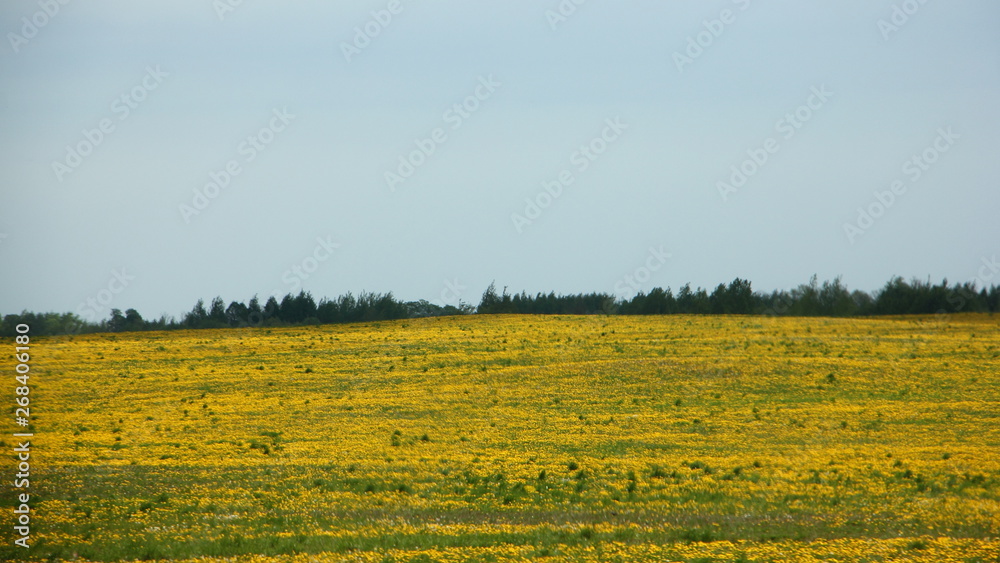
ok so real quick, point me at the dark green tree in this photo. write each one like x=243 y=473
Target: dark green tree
x=133 y=321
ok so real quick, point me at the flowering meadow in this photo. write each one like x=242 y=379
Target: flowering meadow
x=521 y=438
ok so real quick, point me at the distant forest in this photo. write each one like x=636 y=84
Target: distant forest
x=830 y=299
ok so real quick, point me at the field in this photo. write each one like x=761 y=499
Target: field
x=508 y=438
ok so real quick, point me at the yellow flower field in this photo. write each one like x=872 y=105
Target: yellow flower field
x=516 y=438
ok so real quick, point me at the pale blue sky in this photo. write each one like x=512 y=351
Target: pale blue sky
x=323 y=174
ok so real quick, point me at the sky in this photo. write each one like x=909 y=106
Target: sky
x=155 y=153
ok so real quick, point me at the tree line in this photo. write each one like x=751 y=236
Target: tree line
x=831 y=298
